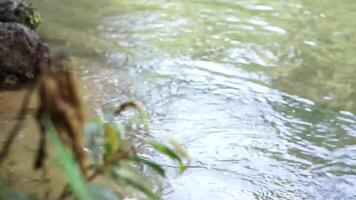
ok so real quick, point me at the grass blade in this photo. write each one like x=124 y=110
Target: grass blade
x=70 y=167
x=156 y=167
x=165 y=150
x=123 y=176
x=170 y=153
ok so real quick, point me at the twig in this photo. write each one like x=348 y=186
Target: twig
x=16 y=128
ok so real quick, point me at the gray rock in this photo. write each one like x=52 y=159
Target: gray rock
x=21 y=52
x=10 y=5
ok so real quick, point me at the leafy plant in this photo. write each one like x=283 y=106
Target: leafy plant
x=112 y=153
x=60 y=116
x=118 y=150
x=110 y=161
x=68 y=164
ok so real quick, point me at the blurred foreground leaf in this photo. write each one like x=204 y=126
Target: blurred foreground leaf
x=69 y=166
x=156 y=167
x=181 y=151
x=170 y=153
x=112 y=140
x=124 y=177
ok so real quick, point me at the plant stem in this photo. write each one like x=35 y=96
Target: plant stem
x=15 y=130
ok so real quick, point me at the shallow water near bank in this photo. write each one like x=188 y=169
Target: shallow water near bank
x=261 y=93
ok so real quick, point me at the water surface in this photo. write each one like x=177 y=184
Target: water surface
x=261 y=93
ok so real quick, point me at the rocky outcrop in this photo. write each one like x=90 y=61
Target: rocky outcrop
x=19 y=11
x=21 y=52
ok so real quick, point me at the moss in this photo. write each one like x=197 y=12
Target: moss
x=23 y=14
x=29 y=16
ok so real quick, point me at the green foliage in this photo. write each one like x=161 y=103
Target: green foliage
x=124 y=177
x=112 y=140
x=30 y=17
x=119 y=151
x=69 y=166
x=112 y=162
x=170 y=153
x=156 y=167
x=23 y=14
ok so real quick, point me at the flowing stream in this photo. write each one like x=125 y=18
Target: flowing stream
x=261 y=93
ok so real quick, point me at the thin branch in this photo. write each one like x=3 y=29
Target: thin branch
x=17 y=127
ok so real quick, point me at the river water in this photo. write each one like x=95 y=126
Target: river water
x=261 y=93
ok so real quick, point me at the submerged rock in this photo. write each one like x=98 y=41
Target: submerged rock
x=19 y=11
x=21 y=52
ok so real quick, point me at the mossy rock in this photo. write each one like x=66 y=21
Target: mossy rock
x=19 y=11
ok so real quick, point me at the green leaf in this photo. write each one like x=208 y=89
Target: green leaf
x=127 y=178
x=70 y=167
x=165 y=150
x=181 y=151
x=182 y=167
x=112 y=138
x=156 y=167
x=107 y=152
x=170 y=153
